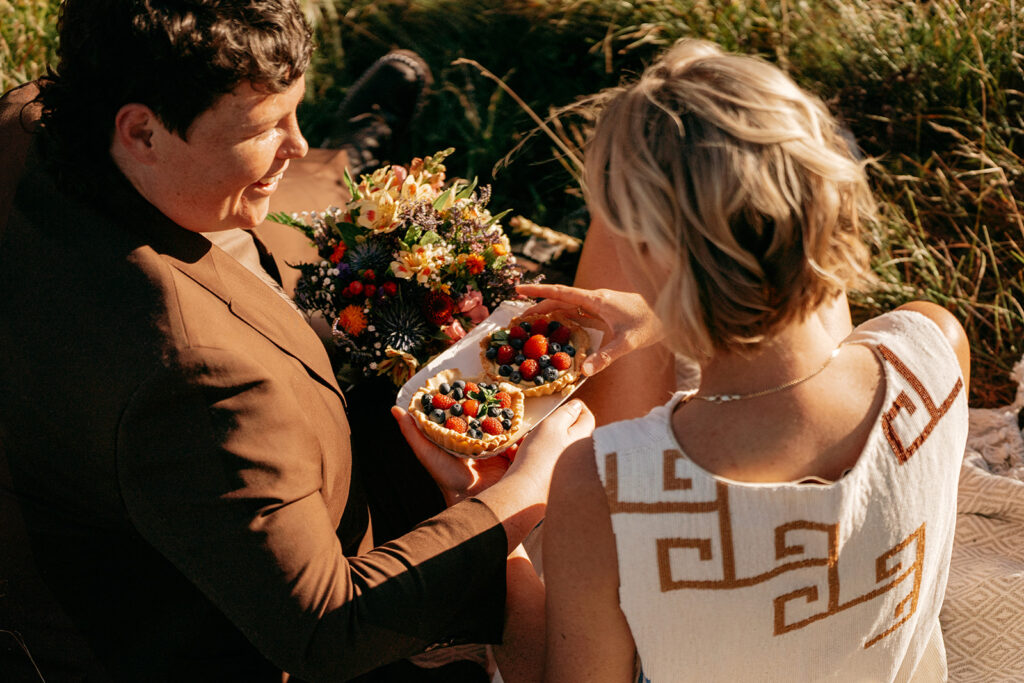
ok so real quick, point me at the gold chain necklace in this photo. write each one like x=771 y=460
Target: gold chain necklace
x=723 y=398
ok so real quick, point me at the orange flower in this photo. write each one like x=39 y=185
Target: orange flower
x=352 y=320
x=339 y=253
x=499 y=249
x=475 y=264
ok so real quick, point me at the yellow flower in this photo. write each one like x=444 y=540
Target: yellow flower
x=377 y=212
x=352 y=320
x=425 y=261
x=399 y=364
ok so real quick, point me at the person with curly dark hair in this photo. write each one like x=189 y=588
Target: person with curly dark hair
x=178 y=499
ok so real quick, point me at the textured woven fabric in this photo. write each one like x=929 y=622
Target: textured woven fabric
x=983 y=615
x=722 y=580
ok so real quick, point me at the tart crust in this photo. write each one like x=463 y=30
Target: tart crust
x=464 y=444
x=579 y=339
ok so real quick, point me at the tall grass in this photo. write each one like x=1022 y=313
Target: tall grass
x=932 y=91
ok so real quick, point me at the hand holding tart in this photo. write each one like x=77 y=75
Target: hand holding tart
x=539 y=354
x=468 y=417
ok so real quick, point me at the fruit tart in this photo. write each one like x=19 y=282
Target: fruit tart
x=539 y=354
x=468 y=417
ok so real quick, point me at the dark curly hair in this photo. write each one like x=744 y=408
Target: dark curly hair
x=175 y=56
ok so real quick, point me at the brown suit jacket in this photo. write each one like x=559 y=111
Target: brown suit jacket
x=179 y=496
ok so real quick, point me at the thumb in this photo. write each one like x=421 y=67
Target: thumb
x=596 y=362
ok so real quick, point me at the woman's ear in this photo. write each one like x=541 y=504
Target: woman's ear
x=134 y=126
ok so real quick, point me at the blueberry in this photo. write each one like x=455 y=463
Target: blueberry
x=505 y=370
x=474 y=423
x=444 y=388
x=550 y=374
x=475 y=434
x=458 y=394
x=491 y=352
x=516 y=343
x=459 y=384
x=493 y=411
x=456 y=410
x=508 y=413
x=427 y=402
x=570 y=349
x=526 y=327
x=506 y=424
x=538 y=380
x=515 y=377
x=518 y=360
x=554 y=347
x=437 y=415
x=544 y=361
x=553 y=325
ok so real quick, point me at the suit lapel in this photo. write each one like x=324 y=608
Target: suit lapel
x=247 y=297
x=252 y=301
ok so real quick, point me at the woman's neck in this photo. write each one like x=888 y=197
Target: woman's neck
x=796 y=351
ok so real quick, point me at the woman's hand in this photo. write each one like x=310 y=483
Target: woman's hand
x=628 y=321
x=457 y=478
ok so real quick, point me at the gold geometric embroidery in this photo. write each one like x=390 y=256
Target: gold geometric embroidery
x=668 y=472
x=904 y=402
x=905 y=609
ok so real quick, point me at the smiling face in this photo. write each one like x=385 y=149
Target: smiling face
x=222 y=176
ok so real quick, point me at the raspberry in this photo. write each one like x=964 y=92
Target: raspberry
x=491 y=425
x=472 y=387
x=505 y=354
x=470 y=407
x=561 y=335
x=457 y=424
x=517 y=332
x=528 y=370
x=441 y=401
x=561 y=361
x=504 y=399
x=536 y=346
x=540 y=326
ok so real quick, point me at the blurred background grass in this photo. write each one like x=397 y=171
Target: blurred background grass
x=932 y=91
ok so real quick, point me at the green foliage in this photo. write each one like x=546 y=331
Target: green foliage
x=28 y=35
x=932 y=91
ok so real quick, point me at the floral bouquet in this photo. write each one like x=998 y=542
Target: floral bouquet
x=407 y=267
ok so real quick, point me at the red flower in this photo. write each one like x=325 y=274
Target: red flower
x=339 y=253
x=389 y=288
x=369 y=275
x=439 y=308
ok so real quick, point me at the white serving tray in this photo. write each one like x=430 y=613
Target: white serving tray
x=464 y=356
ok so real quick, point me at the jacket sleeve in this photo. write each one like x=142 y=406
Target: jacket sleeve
x=222 y=473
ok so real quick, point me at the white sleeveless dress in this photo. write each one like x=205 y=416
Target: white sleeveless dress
x=730 y=581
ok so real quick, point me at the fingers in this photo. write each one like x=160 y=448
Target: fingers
x=549 y=306
x=572 y=295
x=432 y=457
x=596 y=362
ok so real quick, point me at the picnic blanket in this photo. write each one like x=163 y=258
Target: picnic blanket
x=983 y=613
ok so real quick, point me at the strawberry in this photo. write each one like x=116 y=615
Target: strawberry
x=504 y=399
x=536 y=346
x=470 y=407
x=441 y=401
x=560 y=361
x=505 y=354
x=561 y=335
x=539 y=326
x=457 y=424
x=529 y=369
x=472 y=387
x=517 y=332
x=491 y=425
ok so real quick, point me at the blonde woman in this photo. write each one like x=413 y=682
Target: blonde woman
x=792 y=518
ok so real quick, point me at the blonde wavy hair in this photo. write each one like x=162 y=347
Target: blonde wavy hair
x=734 y=185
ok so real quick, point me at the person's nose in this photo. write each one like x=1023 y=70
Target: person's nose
x=294 y=145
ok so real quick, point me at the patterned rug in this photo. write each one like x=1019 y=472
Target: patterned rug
x=983 y=613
